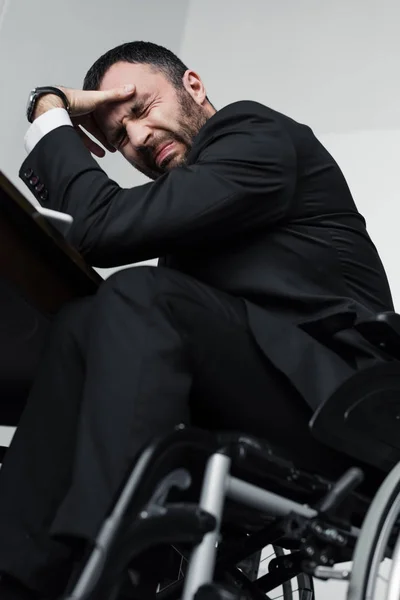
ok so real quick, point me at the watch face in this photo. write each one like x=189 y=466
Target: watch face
x=30 y=102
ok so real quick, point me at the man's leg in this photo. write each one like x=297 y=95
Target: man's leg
x=165 y=348
x=83 y=426
x=146 y=358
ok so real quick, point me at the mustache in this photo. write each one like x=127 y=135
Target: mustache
x=147 y=153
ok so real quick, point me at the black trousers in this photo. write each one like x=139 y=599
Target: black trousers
x=153 y=348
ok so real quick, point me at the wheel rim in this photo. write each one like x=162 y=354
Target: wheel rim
x=394 y=578
x=373 y=538
x=380 y=548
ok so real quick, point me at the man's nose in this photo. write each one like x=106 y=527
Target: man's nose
x=138 y=133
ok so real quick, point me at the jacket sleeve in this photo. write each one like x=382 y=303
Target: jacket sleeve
x=240 y=177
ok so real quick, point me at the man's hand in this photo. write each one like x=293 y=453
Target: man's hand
x=82 y=104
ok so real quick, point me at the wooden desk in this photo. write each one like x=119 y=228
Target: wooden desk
x=39 y=272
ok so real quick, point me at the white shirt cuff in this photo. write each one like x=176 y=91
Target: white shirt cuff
x=56 y=117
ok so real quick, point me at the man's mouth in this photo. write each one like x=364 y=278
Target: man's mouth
x=163 y=152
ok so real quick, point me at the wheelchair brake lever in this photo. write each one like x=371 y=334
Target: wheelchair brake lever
x=343 y=487
x=179 y=478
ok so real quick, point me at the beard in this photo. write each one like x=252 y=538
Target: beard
x=191 y=119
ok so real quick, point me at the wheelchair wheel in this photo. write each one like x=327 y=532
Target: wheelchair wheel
x=298 y=588
x=376 y=562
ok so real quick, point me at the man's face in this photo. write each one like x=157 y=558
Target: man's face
x=155 y=128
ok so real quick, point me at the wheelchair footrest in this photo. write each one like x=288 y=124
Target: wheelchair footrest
x=214 y=591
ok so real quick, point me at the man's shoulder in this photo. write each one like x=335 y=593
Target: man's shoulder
x=232 y=118
x=245 y=113
x=251 y=107
x=243 y=108
x=247 y=117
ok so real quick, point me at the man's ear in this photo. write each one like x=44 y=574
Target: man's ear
x=194 y=86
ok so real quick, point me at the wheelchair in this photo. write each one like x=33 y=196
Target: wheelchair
x=216 y=500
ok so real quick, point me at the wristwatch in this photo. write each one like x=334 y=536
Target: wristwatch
x=42 y=91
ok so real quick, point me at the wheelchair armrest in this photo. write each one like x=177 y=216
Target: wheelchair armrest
x=383 y=331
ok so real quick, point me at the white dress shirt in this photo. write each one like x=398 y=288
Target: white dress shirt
x=53 y=118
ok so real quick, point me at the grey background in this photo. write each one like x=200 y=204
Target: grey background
x=334 y=66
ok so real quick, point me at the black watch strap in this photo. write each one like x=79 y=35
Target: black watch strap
x=42 y=91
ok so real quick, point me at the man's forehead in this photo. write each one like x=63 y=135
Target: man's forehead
x=119 y=74
x=143 y=76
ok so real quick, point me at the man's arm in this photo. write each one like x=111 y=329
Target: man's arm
x=240 y=177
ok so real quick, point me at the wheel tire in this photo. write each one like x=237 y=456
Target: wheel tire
x=305 y=586
x=375 y=531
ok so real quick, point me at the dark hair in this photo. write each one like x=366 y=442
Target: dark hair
x=159 y=57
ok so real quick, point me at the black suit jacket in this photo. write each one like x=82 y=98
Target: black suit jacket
x=261 y=211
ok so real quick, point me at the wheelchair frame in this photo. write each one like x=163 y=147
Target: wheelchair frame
x=321 y=534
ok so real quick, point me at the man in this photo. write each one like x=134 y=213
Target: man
x=246 y=323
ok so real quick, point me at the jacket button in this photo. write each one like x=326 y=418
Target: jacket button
x=39 y=188
x=44 y=195
x=34 y=180
x=28 y=173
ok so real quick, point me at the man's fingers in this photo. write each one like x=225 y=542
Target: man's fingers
x=90 y=144
x=83 y=102
x=118 y=94
x=95 y=99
